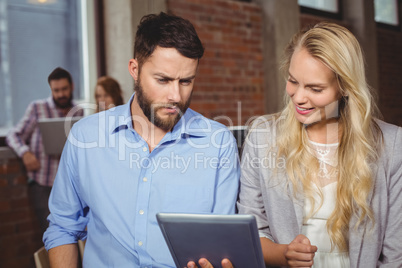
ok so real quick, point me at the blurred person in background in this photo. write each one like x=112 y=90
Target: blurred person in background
x=26 y=140
x=108 y=93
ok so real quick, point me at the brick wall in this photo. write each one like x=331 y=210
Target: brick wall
x=390 y=74
x=20 y=236
x=228 y=86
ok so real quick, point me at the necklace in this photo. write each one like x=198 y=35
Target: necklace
x=327 y=156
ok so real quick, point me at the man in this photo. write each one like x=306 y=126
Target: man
x=26 y=140
x=153 y=154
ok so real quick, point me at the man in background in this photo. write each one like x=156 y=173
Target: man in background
x=26 y=140
x=154 y=154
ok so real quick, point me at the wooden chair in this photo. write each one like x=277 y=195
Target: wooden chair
x=81 y=247
x=41 y=258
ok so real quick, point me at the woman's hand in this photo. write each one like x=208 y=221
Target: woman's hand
x=300 y=252
x=204 y=263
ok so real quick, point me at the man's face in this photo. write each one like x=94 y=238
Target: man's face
x=153 y=110
x=164 y=86
x=62 y=92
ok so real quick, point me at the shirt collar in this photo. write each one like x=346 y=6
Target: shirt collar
x=190 y=124
x=51 y=103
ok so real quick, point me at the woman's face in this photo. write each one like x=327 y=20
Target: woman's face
x=313 y=88
x=103 y=100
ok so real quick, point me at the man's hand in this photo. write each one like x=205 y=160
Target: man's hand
x=204 y=263
x=300 y=252
x=30 y=161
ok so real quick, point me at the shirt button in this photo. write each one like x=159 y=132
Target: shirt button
x=145 y=179
x=141 y=211
x=140 y=243
x=145 y=149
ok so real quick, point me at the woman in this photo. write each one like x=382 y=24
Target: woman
x=107 y=93
x=324 y=176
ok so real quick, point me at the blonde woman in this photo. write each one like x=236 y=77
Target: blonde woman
x=324 y=176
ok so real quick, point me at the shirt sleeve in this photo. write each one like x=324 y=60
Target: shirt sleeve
x=228 y=174
x=68 y=212
x=392 y=247
x=18 y=137
x=250 y=196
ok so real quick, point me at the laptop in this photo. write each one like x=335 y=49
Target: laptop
x=54 y=133
x=215 y=237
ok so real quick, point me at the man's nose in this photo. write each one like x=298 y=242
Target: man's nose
x=174 y=92
x=62 y=94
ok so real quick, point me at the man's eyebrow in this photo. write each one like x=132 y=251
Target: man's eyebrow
x=188 y=78
x=171 y=78
x=164 y=76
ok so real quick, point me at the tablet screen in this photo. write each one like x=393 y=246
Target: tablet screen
x=215 y=237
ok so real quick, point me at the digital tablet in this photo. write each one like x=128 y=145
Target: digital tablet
x=215 y=237
x=54 y=133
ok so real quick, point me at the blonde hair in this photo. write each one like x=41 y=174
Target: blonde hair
x=361 y=137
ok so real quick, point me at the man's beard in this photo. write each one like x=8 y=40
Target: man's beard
x=64 y=102
x=150 y=109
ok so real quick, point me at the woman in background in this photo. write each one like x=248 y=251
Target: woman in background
x=324 y=176
x=108 y=93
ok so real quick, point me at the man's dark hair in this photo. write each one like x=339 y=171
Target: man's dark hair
x=59 y=73
x=166 y=31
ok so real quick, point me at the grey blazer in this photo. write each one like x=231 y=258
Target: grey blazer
x=280 y=216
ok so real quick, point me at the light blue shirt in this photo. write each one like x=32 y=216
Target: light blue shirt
x=108 y=181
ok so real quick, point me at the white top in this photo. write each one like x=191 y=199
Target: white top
x=315 y=229
x=327 y=155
